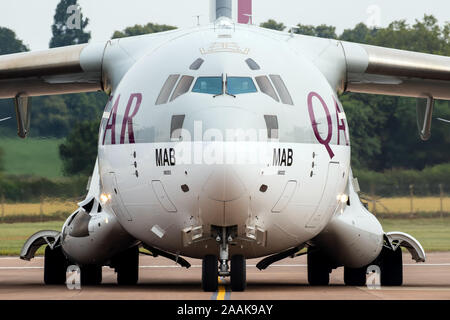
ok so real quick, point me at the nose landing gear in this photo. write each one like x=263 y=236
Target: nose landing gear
x=211 y=269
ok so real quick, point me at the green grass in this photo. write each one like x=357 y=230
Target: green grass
x=433 y=233
x=32 y=156
x=13 y=236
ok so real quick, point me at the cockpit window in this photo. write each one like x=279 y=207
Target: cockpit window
x=183 y=86
x=281 y=88
x=208 y=85
x=197 y=64
x=167 y=89
x=266 y=87
x=252 y=64
x=240 y=85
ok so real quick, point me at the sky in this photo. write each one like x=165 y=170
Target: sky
x=32 y=19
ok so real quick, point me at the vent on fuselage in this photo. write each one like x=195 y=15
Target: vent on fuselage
x=176 y=125
x=272 y=126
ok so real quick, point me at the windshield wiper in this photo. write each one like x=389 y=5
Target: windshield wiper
x=223 y=89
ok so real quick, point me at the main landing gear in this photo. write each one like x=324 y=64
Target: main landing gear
x=389 y=261
x=126 y=265
x=213 y=267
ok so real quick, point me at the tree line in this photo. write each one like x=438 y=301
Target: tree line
x=383 y=129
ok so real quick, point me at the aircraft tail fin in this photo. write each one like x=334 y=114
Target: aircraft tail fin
x=244 y=11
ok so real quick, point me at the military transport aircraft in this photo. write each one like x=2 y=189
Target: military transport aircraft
x=224 y=142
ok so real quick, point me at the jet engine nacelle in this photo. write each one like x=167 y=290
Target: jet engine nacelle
x=92 y=235
x=353 y=237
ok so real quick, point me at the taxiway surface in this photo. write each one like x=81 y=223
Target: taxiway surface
x=160 y=278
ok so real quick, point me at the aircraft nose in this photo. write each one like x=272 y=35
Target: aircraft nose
x=224 y=184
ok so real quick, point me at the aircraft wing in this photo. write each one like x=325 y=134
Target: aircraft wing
x=378 y=70
x=73 y=69
x=55 y=71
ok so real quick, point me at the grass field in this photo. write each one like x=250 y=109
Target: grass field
x=32 y=156
x=403 y=205
x=13 y=236
x=433 y=234
x=47 y=207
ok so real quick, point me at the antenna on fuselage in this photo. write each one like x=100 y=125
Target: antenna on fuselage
x=198 y=18
x=250 y=18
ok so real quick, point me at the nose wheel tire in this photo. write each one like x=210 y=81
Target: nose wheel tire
x=127 y=267
x=318 y=269
x=355 y=276
x=210 y=273
x=238 y=273
x=55 y=266
x=391 y=267
x=91 y=275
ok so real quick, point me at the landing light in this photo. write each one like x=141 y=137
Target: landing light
x=342 y=198
x=104 y=198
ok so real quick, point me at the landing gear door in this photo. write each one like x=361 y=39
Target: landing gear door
x=162 y=196
x=110 y=184
x=328 y=200
x=286 y=196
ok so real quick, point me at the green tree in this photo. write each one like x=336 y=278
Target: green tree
x=79 y=149
x=322 y=31
x=9 y=42
x=63 y=35
x=2 y=160
x=138 y=30
x=387 y=135
x=50 y=117
x=358 y=34
x=272 y=24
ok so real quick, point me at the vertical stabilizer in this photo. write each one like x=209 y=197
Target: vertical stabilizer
x=244 y=11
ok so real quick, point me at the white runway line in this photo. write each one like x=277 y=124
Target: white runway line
x=248 y=266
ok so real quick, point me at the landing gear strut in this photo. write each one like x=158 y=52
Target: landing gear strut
x=214 y=267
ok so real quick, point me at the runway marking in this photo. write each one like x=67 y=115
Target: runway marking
x=223 y=292
x=19 y=268
x=248 y=266
x=403 y=288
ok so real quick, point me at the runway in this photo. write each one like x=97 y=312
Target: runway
x=286 y=280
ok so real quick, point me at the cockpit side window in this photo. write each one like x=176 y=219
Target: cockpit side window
x=183 y=86
x=208 y=85
x=197 y=64
x=167 y=89
x=252 y=64
x=282 y=90
x=266 y=87
x=240 y=85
